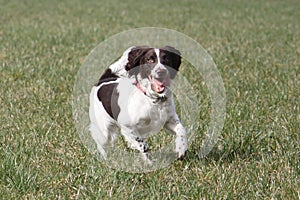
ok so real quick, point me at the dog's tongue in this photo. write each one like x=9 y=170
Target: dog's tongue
x=158 y=86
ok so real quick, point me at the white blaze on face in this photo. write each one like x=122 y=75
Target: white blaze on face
x=157 y=54
x=158 y=85
x=158 y=65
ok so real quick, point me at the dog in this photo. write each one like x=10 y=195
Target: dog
x=133 y=98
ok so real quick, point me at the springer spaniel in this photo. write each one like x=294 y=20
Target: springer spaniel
x=133 y=97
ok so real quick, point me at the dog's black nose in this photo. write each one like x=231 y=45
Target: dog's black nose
x=161 y=72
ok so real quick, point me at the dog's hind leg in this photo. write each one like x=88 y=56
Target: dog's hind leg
x=100 y=139
x=104 y=138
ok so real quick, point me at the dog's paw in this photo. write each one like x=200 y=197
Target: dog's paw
x=146 y=159
x=181 y=145
x=143 y=146
x=102 y=151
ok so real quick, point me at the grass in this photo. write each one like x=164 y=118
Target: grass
x=255 y=45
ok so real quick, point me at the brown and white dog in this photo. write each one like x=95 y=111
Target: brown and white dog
x=133 y=97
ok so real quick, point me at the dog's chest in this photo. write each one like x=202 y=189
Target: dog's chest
x=149 y=118
x=139 y=113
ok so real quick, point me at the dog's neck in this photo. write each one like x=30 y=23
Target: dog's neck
x=137 y=84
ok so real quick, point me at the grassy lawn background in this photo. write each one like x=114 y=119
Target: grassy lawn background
x=256 y=46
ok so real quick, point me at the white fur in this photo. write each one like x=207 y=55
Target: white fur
x=118 y=67
x=157 y=53
x=139 y=115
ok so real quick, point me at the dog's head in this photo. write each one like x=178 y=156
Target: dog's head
x=153 y=67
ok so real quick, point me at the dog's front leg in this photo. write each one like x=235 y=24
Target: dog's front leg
x=137 y=143
x=181 y=143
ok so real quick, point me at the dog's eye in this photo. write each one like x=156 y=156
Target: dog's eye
x=150 y=60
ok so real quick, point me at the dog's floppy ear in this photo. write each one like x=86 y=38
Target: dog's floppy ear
x=175 y=59
x=134 y=57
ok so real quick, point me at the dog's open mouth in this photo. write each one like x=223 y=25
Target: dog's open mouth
x=159 y=84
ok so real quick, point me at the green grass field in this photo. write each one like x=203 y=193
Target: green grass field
x=256 y=46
